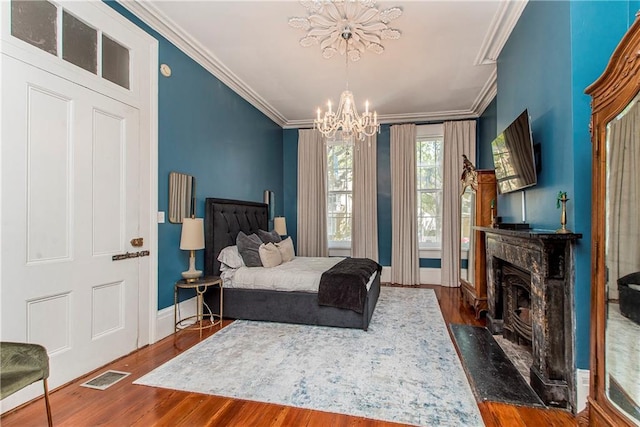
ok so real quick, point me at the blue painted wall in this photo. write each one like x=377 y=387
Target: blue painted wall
x=208 y=131
x=556 y=50
x=487 y=132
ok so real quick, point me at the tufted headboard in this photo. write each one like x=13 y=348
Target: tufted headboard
x=223 y=220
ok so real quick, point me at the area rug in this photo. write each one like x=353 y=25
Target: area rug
x=403 y=369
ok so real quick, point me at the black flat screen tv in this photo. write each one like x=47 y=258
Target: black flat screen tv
x=513 y=156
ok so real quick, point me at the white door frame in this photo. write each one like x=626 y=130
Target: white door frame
x=144 y=96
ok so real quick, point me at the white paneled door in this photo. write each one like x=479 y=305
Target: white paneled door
x=70 y=202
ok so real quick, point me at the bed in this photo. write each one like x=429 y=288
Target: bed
x=224 y=219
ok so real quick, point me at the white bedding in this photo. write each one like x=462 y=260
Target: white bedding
x=301 y=274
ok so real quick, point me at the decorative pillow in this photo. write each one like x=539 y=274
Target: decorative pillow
x=231 y=257
x=248 y=248
x=286 y=249
x=269 y=236
x=269 y=255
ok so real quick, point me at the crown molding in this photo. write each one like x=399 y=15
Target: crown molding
x=168 y=29
x=486 y=95
x=401 y=118
x=503 y=23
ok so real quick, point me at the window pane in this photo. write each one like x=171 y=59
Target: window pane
x=35 y=23
x=115 y=62
x=79 y=43
x=339 y=216
x=339 y=192
x=429 y=186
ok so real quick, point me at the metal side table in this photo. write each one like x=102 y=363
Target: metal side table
x=200 y=286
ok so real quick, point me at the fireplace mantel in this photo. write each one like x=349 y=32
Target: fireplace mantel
x=548 y=258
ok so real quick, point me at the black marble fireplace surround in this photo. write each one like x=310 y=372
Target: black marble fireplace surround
x=530 y=287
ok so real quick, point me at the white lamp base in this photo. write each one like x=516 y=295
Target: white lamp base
x=192 y=274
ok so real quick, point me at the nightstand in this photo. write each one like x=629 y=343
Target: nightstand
x=200 y=286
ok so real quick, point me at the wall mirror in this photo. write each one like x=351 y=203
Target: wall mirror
x=615 y=335
x=467 y=236
x=269 y=198
x=182 y=197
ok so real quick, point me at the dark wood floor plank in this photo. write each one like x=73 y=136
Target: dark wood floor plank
x=134 y=405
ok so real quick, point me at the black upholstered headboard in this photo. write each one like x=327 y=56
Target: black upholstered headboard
x=223 y=220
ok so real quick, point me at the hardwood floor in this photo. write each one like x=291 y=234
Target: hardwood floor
x=125 y=404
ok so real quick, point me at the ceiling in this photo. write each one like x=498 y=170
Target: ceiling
x=441 y=67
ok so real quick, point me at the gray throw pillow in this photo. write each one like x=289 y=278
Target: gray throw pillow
x=248 y=248
x=269 y=236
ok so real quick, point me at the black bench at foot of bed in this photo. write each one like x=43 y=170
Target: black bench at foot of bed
x=291 y=307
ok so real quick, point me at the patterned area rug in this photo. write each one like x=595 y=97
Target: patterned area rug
x=403 y=369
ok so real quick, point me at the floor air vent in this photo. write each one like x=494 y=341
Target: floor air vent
x=105 y=380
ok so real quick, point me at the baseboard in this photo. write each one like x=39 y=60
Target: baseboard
x=164 y=317
x=582 y=388
x=429 y=276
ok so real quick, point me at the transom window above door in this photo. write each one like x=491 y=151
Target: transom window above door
x=53 y=29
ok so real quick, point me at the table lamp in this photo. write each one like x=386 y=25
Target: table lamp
x=192 y=239
x=280 y=225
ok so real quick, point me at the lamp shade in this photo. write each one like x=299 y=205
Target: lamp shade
x=192 y=237
x=280 y=225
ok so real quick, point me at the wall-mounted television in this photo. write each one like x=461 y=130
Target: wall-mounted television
x=513 y=156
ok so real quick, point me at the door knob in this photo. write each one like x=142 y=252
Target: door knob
x=137 y=242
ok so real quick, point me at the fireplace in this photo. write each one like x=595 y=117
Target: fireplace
x=530 y=298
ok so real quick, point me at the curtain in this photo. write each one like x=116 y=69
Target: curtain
x=312 y=194
x=364 y=225
x=404 y=228
x=623 y=201
x=459 y=139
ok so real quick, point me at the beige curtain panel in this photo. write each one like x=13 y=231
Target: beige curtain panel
x=623 y=250
x=404 y=224
x=459 y=139
x=364 y=226
x=312 y=194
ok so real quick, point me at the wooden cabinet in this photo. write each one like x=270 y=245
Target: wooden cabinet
x=473 y=279
x=614 y=395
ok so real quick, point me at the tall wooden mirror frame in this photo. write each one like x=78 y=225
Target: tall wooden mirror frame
x=611 y=93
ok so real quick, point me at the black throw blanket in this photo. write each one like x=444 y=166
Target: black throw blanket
x=345 y=284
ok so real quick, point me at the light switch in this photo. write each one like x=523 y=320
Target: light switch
x=161 y=217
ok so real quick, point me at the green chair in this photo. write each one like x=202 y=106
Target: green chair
x=22 y=364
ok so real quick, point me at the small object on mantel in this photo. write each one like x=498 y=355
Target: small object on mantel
x=469 y=176
x=562 y=198
x=513 y=225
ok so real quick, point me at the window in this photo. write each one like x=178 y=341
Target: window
x=36 y=22
x=339 y=194
x=429 y=185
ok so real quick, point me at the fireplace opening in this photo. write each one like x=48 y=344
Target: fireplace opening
x=513 y=305
x=517 y=315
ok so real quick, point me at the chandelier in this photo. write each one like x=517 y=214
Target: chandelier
x=350 y=28
x=346 y=118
